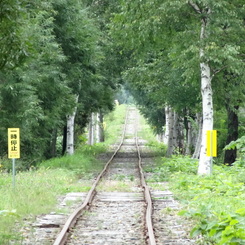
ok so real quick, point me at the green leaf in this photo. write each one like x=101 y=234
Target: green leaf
x=182 y=212
x=212 y=232
x=241 y=211
x=195 y=232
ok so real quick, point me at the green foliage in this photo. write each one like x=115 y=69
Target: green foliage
x=215 y=203
x=35 y=193
x=35 y=97
x=225 y=228
x=81 y=163
x=37 y=189
x=239 y=144
x=13 y=46
x=8 y=212
x=51 y=52
x=163 y=39
x=113 y=122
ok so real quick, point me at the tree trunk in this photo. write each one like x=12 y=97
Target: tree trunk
x=70 y=134
x=198 y=142
x=205 y=162
x=175 y=130
x=171 y=142
x=64 y=142
x=93 y=129
x=232 y=126
x=70 y=131
x=179 y=129
x=188 y=136
x=97 y=127
x=101 y=127
x=166 y=133
x=90 y=131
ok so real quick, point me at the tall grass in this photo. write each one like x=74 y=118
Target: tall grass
x=37 y=190
x=114 y=124
x=146 y=132
x=215 y=203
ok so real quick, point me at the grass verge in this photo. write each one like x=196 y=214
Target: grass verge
x=146 y=133
x=215 y=203
x=37 y=190
x=113 y=123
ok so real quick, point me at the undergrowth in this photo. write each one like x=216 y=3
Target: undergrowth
x=36 y=190
x=215 y=204
x=113 y=124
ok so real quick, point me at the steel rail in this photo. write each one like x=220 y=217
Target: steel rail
x=148 y=199
x=62 y=236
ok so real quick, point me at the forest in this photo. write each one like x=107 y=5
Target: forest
x=182 y=61
x=66 y=64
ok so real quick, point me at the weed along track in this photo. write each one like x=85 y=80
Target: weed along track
x=118 y=210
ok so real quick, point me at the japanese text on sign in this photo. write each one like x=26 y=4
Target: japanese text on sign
x=13 y=143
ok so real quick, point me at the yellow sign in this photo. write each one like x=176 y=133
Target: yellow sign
x=13 y=143
x=211 y=143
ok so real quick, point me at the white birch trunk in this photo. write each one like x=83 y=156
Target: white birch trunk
x=70 y=131
x=101 y=127
x=205 y=162
x=198 y=141
x=175 y=129
x=97 y=128
x=189 y=139
x=166 y=132
x=178 y=133
x=92 y=128
x=90 y=131
x=171 y=141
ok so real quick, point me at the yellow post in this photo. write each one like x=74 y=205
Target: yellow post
x=211 y=143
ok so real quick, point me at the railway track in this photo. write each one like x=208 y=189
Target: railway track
x=118 y=209
x=102 y=224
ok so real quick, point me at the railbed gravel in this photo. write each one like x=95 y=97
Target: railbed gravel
x=115 y=218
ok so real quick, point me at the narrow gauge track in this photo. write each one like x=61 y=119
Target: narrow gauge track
x=109 y=212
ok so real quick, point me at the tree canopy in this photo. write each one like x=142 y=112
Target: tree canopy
x=179 y=44
x=57 y=57
x=51 y=52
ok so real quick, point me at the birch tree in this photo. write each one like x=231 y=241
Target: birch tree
x=213 y=17
x=70 y=147
x=194 y=33
x=205 y=162
x=33 y=93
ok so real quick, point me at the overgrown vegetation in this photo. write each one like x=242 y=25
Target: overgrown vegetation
x=215 y=203
x=113 y=124
x=37 y=189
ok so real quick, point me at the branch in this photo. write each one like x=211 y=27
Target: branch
x=195 y=6
x=217 y=71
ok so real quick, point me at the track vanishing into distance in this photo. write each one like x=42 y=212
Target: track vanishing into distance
x=108 y=220
x=118 y=209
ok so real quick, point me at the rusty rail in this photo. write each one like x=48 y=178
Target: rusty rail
x=148 y=200
x=62 y=237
